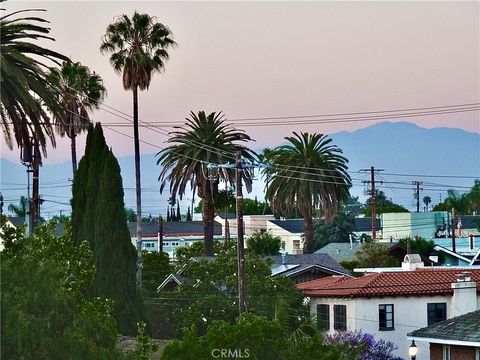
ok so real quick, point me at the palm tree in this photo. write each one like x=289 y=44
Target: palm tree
x=307 y=174
x=201 y=141
x=25 y=91
x=80 y=91
x=21 y=209
x=427 y=200
x=139 y=47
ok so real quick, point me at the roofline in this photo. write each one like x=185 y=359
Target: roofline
x=167 y=279
x=450 y=252
x=445 y=341
x=477 y=256
x=320 y=266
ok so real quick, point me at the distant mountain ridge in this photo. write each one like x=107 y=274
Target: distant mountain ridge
x=396 y=147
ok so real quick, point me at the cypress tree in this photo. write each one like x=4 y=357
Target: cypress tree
x=98 y=210
x=169 y=218
x=172 y=214
x=189 y=216
x=179 y=216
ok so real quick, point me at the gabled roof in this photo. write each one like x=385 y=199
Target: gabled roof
x=173 y=228
x=16 y=220
x=451 y=253
x=304 y=260
x=294 y=226
x=421 y=282
x=340 y=251
x=465 y=328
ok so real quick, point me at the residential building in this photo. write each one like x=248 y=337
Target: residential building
x=391 y=304
x=411 y=224
x=457 y=338
x=291 y=232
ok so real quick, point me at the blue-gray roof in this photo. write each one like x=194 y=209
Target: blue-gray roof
x=340 y=251
x=172 y=228
x=295 y=226
x=365 y=224
x=306 y=260
x=470 y=221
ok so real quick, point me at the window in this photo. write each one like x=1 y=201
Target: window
x=340 y=317
x=446 y=352
x=296 y=244
x=477 y=354
x=436 y=312
x=283 y=245
x=323 y=316
x=385 y=317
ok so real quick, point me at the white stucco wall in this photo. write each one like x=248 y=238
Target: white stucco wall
x=410 y=313
x=400 y=225
x=286 y=236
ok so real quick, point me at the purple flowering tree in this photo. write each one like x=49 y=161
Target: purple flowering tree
x=369 y=348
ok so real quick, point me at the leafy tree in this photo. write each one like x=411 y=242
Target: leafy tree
x=365 y=344
x=25 y=92
x=80 y=91
x=375 y=254
x=254 y=207
x=210 y=290
x=98 y=215
x=308 y=174
x=45 y=315
x=384 y=205
x=338 y=230
x=421 y=246
x=253 y=337
x=262 y=243
x=156 y=267
x=203 y=139
x=139 y=48
x=427 y=200
x=130 y=214
x=21 y=209
x=462 y=204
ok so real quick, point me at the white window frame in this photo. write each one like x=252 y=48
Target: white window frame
x=446 y=352
x=477 y=353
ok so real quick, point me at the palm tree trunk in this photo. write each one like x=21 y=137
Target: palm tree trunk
x=208 y=214
x=308 y=228
x=138 y=190
x=73 y=146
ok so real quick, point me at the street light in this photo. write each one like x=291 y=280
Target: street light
x=412 y=350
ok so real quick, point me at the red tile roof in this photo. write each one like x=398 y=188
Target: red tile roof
x=421 y=282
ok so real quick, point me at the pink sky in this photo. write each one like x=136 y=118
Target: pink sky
x=254 y=59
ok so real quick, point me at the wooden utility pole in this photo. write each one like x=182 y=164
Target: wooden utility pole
x=240 y=243
x=453 y=230
x=35 y=213
x=373 y=194
x=416 y=192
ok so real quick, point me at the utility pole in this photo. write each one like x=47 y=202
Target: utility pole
x=160 y=234
x=1 y=209
x=453 y=230
x=240 y=244
x=373 y=194
x=416 y=192
x=35 y=213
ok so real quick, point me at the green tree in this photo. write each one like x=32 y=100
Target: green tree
x=21 y=209
x=156 y=267
x=375 y=254
x=427 y=200
x=130 y=214
x=45 y=315
x=308 y=174
x=189 y=215
x=25 y=92
x=421 y=246
x=202 y=140
x=339 y=230
x=263 y=243
x=80 y=91
x=139 y=48
x=178 y=216
x=98 y=215
x=384 y=205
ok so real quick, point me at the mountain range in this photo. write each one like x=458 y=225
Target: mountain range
x=440 y=158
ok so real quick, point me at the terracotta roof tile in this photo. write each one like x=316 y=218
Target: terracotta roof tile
x=322 y=282
x=421 y=282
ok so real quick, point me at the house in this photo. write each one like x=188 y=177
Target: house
x=455 y=338
x=305 y=267
x=341 y=251
x=423 y=224
x=392 y=304
x=290 y=231
x=175 y=234
x=251 y=223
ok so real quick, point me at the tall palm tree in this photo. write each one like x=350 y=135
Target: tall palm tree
x=25 y=91
x=308 y=174
x=201 y=141
x=139 y=48
x=80 y=91
x=21 y=209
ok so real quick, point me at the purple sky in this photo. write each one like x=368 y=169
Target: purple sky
x=255 y=59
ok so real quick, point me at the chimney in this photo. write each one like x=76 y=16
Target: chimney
x=412 y=262
x=464 y=298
